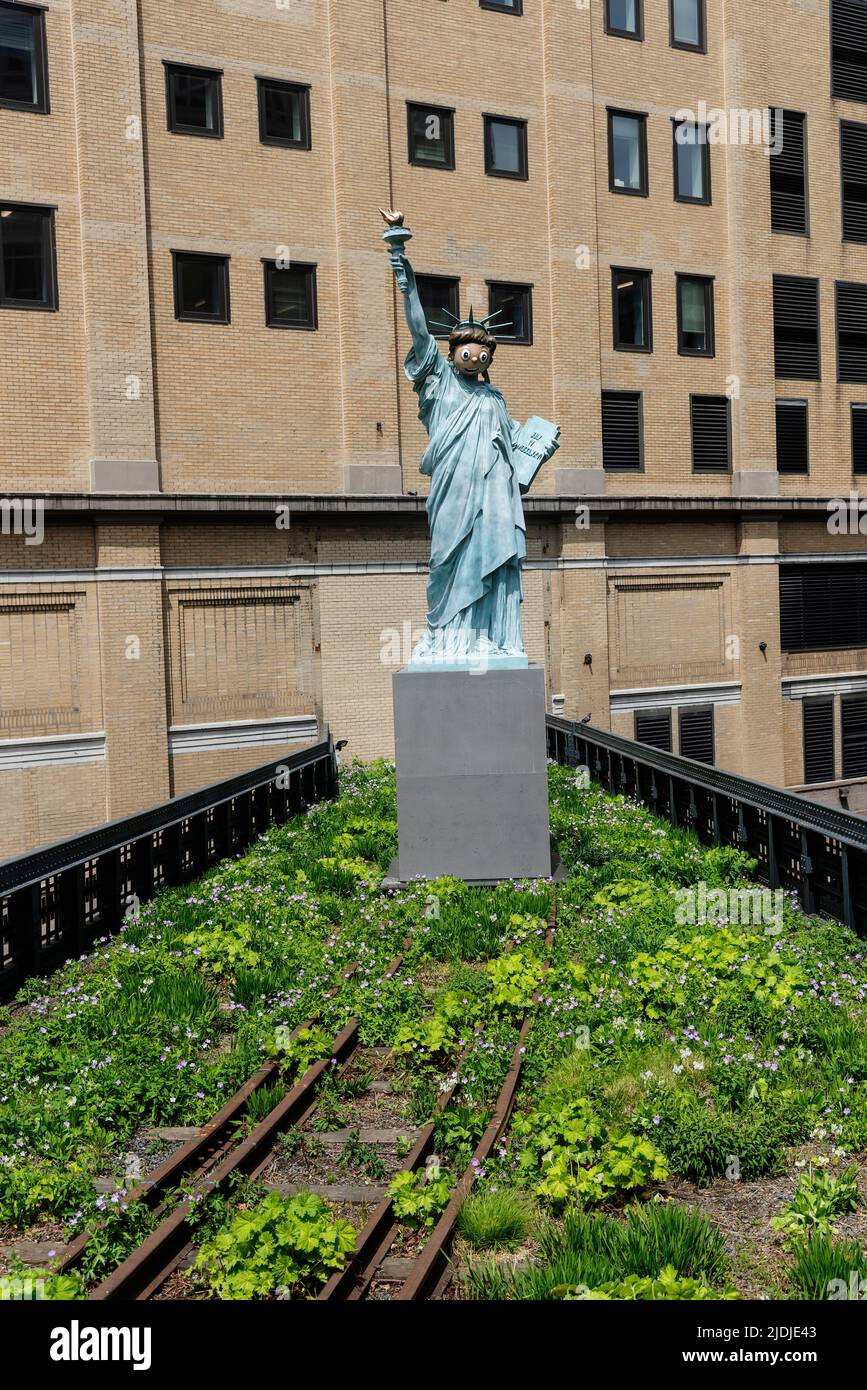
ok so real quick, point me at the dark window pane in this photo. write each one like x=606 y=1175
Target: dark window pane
x=505 y=147
x=27 y=257
x=686 y=23
x=853 y=732
x=653 y=726
x=290 y=296
x=622 y=441
x=851 y=332
x=439 y=299
x=788 y=172
x=818 y=740
x=859 y=438
x=624 y=16
x=20 y=55
x=695 y=316
x=792 y=437
x=710 y=418
x=696 y=733
x=283 y=113
x=796 y=327
x=626 y=134
x=194 y=101
x=515 y=303
x=823 y=607
x=849 y=50
x=431 y=136
x=201 y=287
x=690 y=162
x=631 y=289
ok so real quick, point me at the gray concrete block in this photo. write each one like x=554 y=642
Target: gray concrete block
x=124 y=475
x=362 y=478
x=472 y=784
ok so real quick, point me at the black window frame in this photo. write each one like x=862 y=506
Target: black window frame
x=777 y=283
x=661 y=712
x=708 y=282
x=823 y=606
x=704 y=145
x=517 y=8
x=647 y=296
x=453 y=306
x=853 y=700
x=42 y=105
x=850 y=378
x=857 y=408
x=637 y=36
x=174 y=126
x=782 y=404
x=840 y=88
x=638 y=396
x=687 y=712
x=49 y=247
x=447 y=114
x=701 y=46
x=176 y=284
x=526 y=288
x=774 y=166
x=861 y=128
x=815 y=703
x=520 y=121
x=301 y=89
x=643 y=191
x=309 y=268
x=710 y=472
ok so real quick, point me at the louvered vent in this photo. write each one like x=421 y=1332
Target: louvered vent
x=818 y=740
x=853 y=714
x=849 y=49
x=853 y=171
x=621 y=431
x=696 y=733
x=711 y=436
x=859 y=438
x=823 y=607
x=796 y=327
x=788 y=173
x=792 y=437
x=653 y=726
x=851 y=332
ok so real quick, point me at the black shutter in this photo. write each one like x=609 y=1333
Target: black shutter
x=793 y=455
x=818 y=740
x=853 y=713
x=823 y=607
x=653 y=726
x=711 y=435
x=622 y=444
x=696 y=733
x=789 y=173
x=796 y=327
x=849 y=49
x=853 y=170
x=851 y=332
x=859 y=438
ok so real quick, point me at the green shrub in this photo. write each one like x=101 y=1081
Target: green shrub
x=496 y=1220
x=290 y=1243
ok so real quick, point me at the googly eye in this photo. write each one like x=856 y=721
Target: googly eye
x=483 y=355
x=465 y=354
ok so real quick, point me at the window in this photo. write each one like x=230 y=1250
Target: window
x=818 y=717
x=695 y=726
x=623 y=18
x=622 y=432
x=853 y=173
x=627 y=153
x=194 y=101
x=516 y=304
x=23 y=58
x=290 y=296
x=695 y=330
x=201 y=287
x=710 y=421
x=431 y=135
x=851 y=332
x=859 y=438
x=28 y=274
x=439 y=299
x=796 y=327
x=505 y=147
x=787 y=160
x=823 y=607
x=853 y=735
x=506 y=6
x=687 y=24
x=691 y=163
x=630 y=292
x=284 y=113
x=849 y=50
x=793 y=449
x=653 y=726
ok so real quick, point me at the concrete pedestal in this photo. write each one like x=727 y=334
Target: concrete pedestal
x=472 y=783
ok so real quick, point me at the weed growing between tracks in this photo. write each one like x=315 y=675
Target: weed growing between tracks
x=697 y=1060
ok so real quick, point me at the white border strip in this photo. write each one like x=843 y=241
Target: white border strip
x=801 y=687
x=242 y=733
x=52 y=750
x=648 y=697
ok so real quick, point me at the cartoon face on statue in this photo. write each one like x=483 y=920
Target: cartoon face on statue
x=480 y=462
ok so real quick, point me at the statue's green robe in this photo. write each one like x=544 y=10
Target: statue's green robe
x=477 y=528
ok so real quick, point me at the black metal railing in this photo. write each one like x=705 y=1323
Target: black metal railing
x=800 y=845
x=57 y=901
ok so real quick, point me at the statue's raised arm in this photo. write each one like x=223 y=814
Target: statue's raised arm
x=397 y=236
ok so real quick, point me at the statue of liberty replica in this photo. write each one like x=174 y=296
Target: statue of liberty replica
x=469 y=710
x=479 y=461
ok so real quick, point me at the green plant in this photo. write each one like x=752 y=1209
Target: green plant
x=361 y=1156
x=290 y=1243
x=819 y=1198
x=496 y=1220
x=823 y=1268
x=565 y=1153
x=419 y=1197
x=666 y=1286
x=457 y=1131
